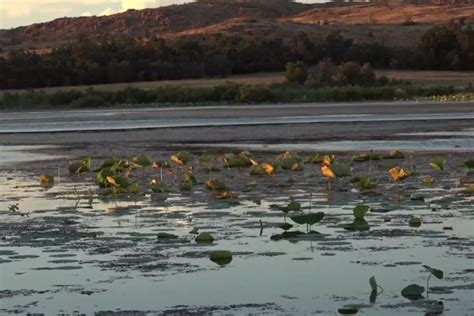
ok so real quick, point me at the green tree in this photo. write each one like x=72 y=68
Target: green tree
x=296 y=73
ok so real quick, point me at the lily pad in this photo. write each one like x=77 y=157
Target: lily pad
x=287 y=235
x=81 y=167
x=142 y=161
x=166 y=236
x=310 y=219
x=360 y=210
x=216 y=185
x=399 y=173
x=336 y=170
x=414 y=222
x=47 y=181
x=413 y=292
x=221 y=257
x=182 y=158
x=438 y=163
x=204 y=238
x=373 y=283
x=366 y=157
x=359 y=224
x=285 y=226
x=348 y=311
x=469 y=164
x=436 y=272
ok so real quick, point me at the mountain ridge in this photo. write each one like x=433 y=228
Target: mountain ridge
x=205 y=18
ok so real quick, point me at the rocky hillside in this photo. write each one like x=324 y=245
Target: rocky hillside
x=397 y=24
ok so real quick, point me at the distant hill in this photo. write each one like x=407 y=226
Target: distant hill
x=394 y=24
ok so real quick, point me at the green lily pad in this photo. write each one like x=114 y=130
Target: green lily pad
x=414 y=222
x=438 y=163
x=216 y=185
x=285 y=226
x=221 y=257
x=206 y=158
x=310 y=219
x=166 y=236
x=436 y=272
x=360 y=210
x=47 y=181
x=142 y=161
x=102 y=176
x=348 y=311
x=469 y=164
x=413 y=292
x=366 y=157
x=359 y=224
x=204 y=238
x=287 y=235
x=294 y=206
x=81 y=167
x=373 y=283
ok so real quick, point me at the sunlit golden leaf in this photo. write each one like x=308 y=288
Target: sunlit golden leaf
x=176 y=160
x=268 y=168
x=47 y=181
x=428 y=180
x=328 y=159
x=327 y=172
x=399 y=173
x=111 y=180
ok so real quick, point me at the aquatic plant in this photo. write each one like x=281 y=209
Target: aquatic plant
x=81 y=167
x=204 y=238
x=366 y=157
x=364 y=183
x=413 y=292
x=414 y=221
x=394 y=154
x=469 y=164
x=141 y=161
x=438 y=163
x=221 y=257
x=336 y=170
x=264 y=168
x=226 y=195
x=216 y=185
x=182 y=158
x=47 y=181
x=360 y=210
x=243 y=159
x=399 y=173
x=428 y=180
x=439 y=274
x=309 y=219
x=348 y=310
x=374 y=289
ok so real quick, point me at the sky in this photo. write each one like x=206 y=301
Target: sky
x=15 y=13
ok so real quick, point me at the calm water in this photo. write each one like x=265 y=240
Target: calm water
x=123 y=267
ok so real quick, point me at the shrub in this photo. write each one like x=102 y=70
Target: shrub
x=250 y=94
x=296 y=73
x=89 y=101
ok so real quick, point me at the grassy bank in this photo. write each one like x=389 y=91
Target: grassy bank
x=222 y=94
x=457 y=79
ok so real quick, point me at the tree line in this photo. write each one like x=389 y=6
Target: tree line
x=128 y=60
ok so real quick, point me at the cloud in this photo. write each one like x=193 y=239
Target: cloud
x=142 y=4
x=108 y=11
